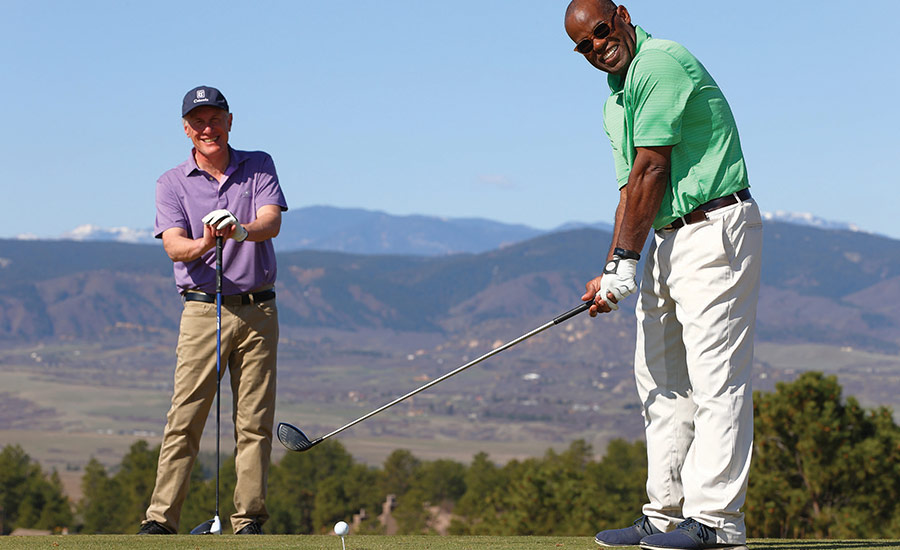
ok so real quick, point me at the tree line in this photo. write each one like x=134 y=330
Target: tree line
x=823 y=467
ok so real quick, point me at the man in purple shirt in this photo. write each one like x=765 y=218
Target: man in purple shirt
x=219 y=191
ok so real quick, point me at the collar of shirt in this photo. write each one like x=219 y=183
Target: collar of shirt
x=235 y=158
x=616 y=82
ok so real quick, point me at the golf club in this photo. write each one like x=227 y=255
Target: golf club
x=295 y=440
x=214 y=526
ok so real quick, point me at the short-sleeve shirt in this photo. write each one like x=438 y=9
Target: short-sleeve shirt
x=667 y=98
x=185 y=194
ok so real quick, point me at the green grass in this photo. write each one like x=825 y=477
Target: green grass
x=291 y=542
x=375 y=542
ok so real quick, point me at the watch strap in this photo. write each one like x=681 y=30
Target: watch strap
x=626 y=254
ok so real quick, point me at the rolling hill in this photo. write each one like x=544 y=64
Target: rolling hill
x=818 y=286
x=88 y=331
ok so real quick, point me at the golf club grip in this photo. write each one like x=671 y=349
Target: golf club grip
x=573 y=312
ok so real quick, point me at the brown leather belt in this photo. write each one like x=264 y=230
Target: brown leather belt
x=699 y=214
x=231 y=300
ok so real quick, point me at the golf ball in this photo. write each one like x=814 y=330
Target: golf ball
x=341 y=528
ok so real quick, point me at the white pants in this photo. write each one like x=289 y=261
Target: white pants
x=696 y=315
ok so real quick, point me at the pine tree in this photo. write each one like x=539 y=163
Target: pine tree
x=614 y=489
x=480 y=506
x=56 y=514
x=294 y=484
x=400 y=468
x=14 y=471
x=98 y=506
x=822 y=467
x=29 y=498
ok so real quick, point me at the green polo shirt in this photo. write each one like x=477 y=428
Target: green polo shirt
x=668 y=98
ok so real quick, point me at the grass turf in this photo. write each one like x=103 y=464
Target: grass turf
x=375 y=542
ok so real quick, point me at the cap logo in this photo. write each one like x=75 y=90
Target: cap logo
x=201 y=96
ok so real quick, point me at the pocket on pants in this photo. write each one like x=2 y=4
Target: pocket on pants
x=196 y=317
x=744 y=232
x=198 y=309
x=710 y=243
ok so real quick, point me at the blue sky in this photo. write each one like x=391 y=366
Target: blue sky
x=454 y=109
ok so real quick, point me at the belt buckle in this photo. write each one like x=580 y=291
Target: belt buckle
x=672 y=226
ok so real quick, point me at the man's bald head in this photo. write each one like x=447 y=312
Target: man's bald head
x=576 y=7
x=583 y=12
x=603 y=33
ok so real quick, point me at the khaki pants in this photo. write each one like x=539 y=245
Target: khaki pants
x=696 y=315
x=249 y=348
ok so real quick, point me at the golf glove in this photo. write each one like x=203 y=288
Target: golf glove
x=618 y=280
x=224 y=218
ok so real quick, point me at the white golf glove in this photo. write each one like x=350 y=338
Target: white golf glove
x=224 y=218
x=618 y=280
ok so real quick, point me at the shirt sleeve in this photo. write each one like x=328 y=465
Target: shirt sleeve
x=169 y=210
x=658 y=90
x=268 y=189
x=614 y=126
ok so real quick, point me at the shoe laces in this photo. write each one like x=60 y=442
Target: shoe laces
x=643 y=523
x=703 y=532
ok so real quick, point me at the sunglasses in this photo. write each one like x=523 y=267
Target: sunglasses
x=601 y=31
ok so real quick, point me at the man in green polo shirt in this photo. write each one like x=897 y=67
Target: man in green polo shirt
x=681 y=173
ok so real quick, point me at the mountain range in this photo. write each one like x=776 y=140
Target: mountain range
x=818 y=285
x=360 y=231
x=359 y=329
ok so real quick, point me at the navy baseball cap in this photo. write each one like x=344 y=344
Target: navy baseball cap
x=203 y=95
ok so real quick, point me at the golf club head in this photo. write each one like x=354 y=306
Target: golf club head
x=209 y=527
x=293 y=439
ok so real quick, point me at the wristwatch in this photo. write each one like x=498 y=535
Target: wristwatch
x=626 y=254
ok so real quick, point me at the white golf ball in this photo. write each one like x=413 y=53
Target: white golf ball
x=341 y=528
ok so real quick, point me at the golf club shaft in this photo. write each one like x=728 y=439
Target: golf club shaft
x=218 y=358
x=214 y=526
x=565 y=316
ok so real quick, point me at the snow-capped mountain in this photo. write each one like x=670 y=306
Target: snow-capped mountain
x=353 y=230
x=805 y=218
x=90 y=232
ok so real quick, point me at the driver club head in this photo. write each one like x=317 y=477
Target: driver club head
x=293 y=438
x=209 y=527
